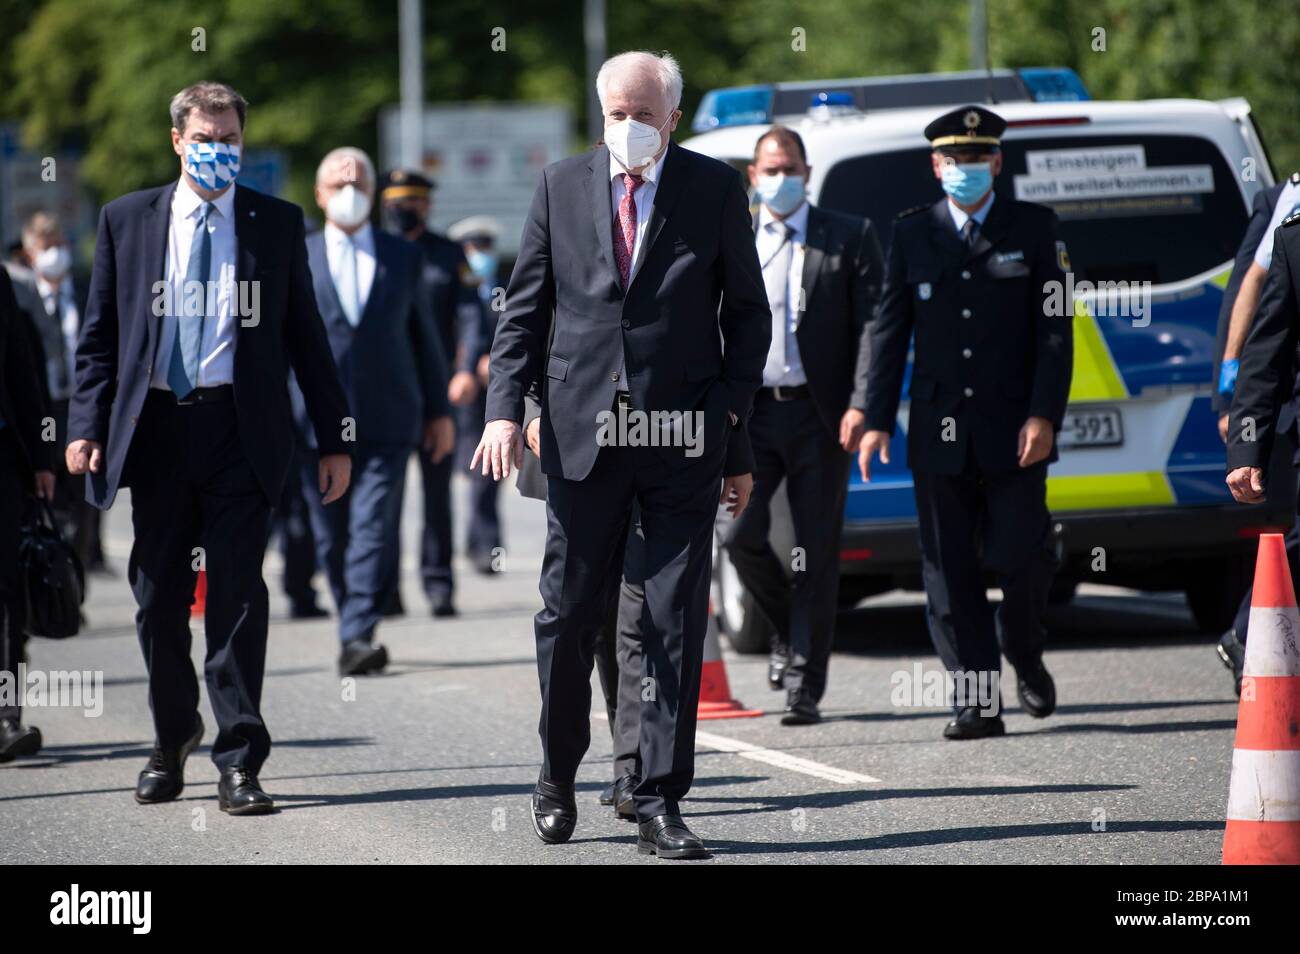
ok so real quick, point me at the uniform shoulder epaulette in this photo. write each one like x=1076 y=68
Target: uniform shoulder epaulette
x=1291 y=219
x=912 y=211
x=1295 y=178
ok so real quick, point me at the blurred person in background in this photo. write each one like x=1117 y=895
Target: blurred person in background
x=26 y=467
x=52 y=295
x=483 y=541
x=374 y=299
x=407 y=198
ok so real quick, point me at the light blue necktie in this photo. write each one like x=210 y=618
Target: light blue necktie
x=183 y=373
x=349 y=294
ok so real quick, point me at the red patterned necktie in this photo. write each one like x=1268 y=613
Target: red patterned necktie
x=625 y=228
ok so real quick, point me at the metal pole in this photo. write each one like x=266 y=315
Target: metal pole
x=593 y=32
x=979 y=35
x=411 y=42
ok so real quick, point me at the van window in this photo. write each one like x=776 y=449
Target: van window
x=1132 y=208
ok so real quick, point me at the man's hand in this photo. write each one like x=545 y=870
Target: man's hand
x=45 y=484
x=1247 y=484
x=439 y=437
x=1223 y=428
x=335 y=474
x=873 y=442
x=735 y=493
x=1036 y=438
x=533 y=433
x=83 y=455
x=852 y=424
x=462 y=388
x=500 y=446
x=483 y=370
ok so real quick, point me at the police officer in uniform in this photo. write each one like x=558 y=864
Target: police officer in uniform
x=970 y=277
x=407 y=199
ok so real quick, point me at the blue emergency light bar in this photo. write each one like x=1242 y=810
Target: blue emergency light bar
x=751 y=105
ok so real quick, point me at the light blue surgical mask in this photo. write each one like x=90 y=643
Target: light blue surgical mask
x=212 y=165
x=483 y=264
x=967 y=182
x=780 y=193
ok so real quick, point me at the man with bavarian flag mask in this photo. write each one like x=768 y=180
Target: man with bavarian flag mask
x=970 y=277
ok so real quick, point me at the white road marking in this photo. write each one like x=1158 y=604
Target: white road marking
x=747 y=750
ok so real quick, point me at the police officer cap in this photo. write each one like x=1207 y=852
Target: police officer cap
x=405 y=183
x=476 y=228
x=968 y=127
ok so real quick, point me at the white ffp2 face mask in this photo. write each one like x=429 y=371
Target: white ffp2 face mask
x=52 y=263
x=348 y=207
x=632 y=143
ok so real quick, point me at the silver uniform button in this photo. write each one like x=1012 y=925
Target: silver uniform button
x=965 y=312
x=965 y=352
x=969 y=392
x=965 y=274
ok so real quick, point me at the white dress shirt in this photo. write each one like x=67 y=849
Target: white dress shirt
x=1288 y=200
x=644 y=198
x=959 y=216
x=217 y=349
x=771 y=231
x=62 y=295
x=364 y=240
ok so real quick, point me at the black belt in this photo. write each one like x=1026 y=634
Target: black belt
x=222 y=392
x=780 y=393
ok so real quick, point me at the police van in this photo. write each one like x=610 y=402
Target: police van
x=1153 y=198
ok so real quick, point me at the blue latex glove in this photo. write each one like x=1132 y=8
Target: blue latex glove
x=1228 y=376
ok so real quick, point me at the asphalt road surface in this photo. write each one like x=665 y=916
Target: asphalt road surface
x=434 y=760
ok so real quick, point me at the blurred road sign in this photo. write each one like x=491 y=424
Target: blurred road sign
x=486 y=160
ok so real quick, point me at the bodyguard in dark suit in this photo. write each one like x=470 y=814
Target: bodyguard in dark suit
x=26 y=460
x=641 y=255
x=458 y=315
x=823 y=272
x=374 y=302
x=971 y=277
x=200 y=304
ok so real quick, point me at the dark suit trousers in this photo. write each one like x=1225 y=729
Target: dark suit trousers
x=435 y=538
x=355 y=535
x=192 y=486
x=297 y=544
x=13 y=499
x=618 y=654
x=587 y=522
x=798 y=593
x=998 y=521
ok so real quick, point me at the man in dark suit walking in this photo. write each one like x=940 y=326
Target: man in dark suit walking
x=641 y=255
x=26 y=460
x=972 y=276
x=200 y=304
x=823 y=272
x=375 y=305
x=458 y=315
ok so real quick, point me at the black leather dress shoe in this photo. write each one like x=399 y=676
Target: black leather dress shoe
x=17 y=739
x=971 y=725
x=440 y=605
x=239 y=793
x=668 y=837
x=1233 y=653
x=624 y=806
x=778 y=661
x=163 y=779
x=312 y=610
x=607 y=795
x=555 y=812
x=1036 y=691
x=361 y=657
x=800 y=709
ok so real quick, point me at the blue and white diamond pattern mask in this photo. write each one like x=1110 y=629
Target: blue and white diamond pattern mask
x=212 y=165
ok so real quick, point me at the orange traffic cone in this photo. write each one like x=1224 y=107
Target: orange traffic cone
x=200 y=603
x=1264 y=796
x=715 y=694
